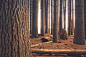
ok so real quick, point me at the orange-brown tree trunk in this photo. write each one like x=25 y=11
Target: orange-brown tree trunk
x=49 y=16
x=85 y=16
x=69 y=17
x=60 y=21
x=15 y=28
x=46 y=16
x=72 y=21
x=35 y=19
x=42 y=17
x=56 y=24
x=52 y=15
x=79 y=34
x=31 y=10
x=65 y=14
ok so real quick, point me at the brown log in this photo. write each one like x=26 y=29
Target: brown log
x=40 y=43
x=59 y=51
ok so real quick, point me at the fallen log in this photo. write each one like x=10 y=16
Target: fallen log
x=59 y=51
x=41 y=43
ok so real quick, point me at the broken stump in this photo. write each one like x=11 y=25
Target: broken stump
x=63 y=34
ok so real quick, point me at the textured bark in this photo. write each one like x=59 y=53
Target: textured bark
x=35 y=19
x=69 y=17
x=71 y=27
x=15 y=28
x=63 y=34
x=65 y=15
x=31 y=10
x=72 y=21
x=60 y=21
x=62 y=13
x=42 y=17
x=55 y=32
x=79 y=34
x=85 y=16
x=52 y=15
x=49 y=16
x=46 y=16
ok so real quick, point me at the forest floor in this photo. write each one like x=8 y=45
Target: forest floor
x=37 y=43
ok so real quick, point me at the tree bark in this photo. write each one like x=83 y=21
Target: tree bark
x=52 y=15
x=35 y=19
x=69 y=17
x=79 y=34
x=65 y=14
x=60 y=21
x=49 y=16
x=42 y=17
x=72 y=18
x=85 y=16
x=15 y=28
x=31 y=10
x=55 y=30
x=46 y=16
x=72 y=21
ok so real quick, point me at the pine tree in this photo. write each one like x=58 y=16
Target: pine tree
x=65 y=14
x=56 y=24
x=14 y=28
x=72 y=21
x=31 y=10
x=60 y=21
x=42 y=17
x=35 y=19
x=69 y=17
x=85 y=16
x=52 y=15
x=79 y=34
x=46 y=16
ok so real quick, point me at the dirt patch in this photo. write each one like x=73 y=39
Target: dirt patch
x=64 y=44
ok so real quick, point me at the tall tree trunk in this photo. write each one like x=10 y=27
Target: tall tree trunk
x=35 y=19
x=69 y=17
x=85 y=16
x=49 y=16
x=60 y=21
x=79 y=34
x=15 y=28
x=52 y=15
x=72 y=21
x=65 y=14
x=46 y=16
x=42 y=17
x=62 y=13
x=55 y=30
x=31 y=10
